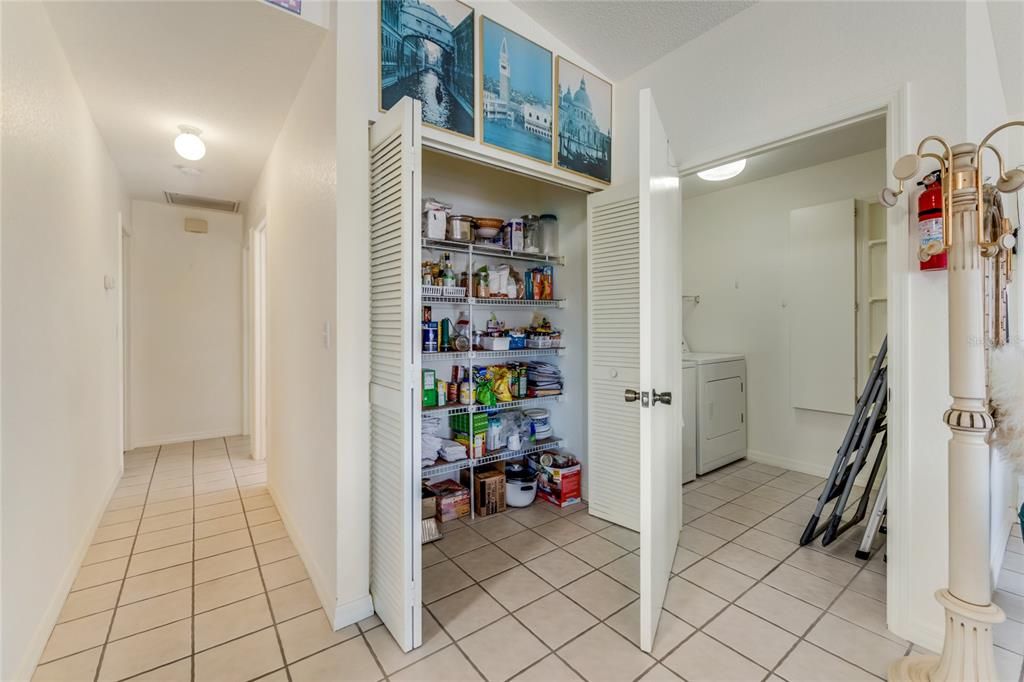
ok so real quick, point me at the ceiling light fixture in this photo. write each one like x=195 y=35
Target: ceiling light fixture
x=188 y=143
x=723 y=172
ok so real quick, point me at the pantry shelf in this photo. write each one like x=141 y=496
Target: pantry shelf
x=491 y=251
x=493 y=354
x=513 y=302
x=508 y=405
x=490 y=458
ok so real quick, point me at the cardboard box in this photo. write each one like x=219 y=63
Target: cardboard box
x=460 y=422
x=429 y=388
x=479 y=448
x=561 y=483
x=452 y=500
x=489 y=489
x=428 y=502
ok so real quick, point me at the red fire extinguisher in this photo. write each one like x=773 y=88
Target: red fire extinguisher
x=931 y=249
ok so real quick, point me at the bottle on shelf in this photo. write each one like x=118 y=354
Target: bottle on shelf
x=449 y=273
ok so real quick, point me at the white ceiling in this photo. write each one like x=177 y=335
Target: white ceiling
x=229 y=68
x=619 y=37
x=856 y=138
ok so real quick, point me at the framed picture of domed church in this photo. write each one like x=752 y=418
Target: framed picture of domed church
x=584 y=122
x=427 y=51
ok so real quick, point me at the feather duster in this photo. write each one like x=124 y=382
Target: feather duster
x=1006 y=385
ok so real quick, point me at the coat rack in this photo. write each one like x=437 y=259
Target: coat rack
x=980 y=244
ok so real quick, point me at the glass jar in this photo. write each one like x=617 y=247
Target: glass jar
x=548 y=234
x=531 y=233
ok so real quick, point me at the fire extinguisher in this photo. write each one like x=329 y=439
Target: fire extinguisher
x=931 y=249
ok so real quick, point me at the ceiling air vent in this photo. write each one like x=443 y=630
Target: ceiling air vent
x=193 y=201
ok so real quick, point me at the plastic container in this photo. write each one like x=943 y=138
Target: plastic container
x=531 y=233
x=549 y=234
x=494 y=343
x=540 y=426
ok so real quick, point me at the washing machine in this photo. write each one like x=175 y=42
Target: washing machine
x=714 y=411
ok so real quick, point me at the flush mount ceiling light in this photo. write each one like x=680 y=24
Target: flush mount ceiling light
x=724 y=172
x=188 y=143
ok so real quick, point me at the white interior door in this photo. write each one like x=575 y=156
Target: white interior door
x=259 y=341
x=635 y=331
x=395 y=530
x=661 y=373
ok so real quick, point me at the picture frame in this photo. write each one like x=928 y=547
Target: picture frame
x=293 y=6
x=583 y=121
x=516 y=93
x=426 y=49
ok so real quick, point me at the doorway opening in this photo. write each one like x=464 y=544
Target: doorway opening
x=785 y=272
x=258 y=316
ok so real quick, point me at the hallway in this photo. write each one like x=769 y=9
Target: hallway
x=192 y=576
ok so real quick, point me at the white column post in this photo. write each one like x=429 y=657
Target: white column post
x=970 y=614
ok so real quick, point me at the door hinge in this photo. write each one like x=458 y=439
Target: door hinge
x=741 y=418
x=741 y=386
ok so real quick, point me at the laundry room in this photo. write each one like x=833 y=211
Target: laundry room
x=784 y=298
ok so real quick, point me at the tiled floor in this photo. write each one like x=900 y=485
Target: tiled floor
x=193 y=577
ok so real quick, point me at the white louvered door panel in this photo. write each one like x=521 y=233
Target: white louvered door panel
x=613 y=319
x=395 y=530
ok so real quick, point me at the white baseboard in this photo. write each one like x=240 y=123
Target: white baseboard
x=352 y=612
x=183 y=437
x=998 y=548
x=340 y=614
x=34 y=651
x=791 y=463
x=804 y=467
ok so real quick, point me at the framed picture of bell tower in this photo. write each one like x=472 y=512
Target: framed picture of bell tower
x=517 y=90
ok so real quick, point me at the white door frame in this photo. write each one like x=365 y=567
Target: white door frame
x=124 y=253
x=258 y=346
x=891 y=102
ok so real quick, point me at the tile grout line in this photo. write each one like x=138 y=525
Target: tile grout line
x=259 y=568
x=192 y=606
x=657 y=660
x=124 y=578
x=558 y=590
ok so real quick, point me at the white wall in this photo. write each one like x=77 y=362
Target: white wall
x=185 y=325
x=60 y=430
x=986 y=108
x=716 y=101
x=308 y=465
x=735 y=245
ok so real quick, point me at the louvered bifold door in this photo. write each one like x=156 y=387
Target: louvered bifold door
x=613 y=319
x=395 y=529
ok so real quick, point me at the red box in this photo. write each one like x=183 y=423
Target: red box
x=561 y=482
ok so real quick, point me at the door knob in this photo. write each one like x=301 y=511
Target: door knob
x=632 y=396
x=663 y=398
